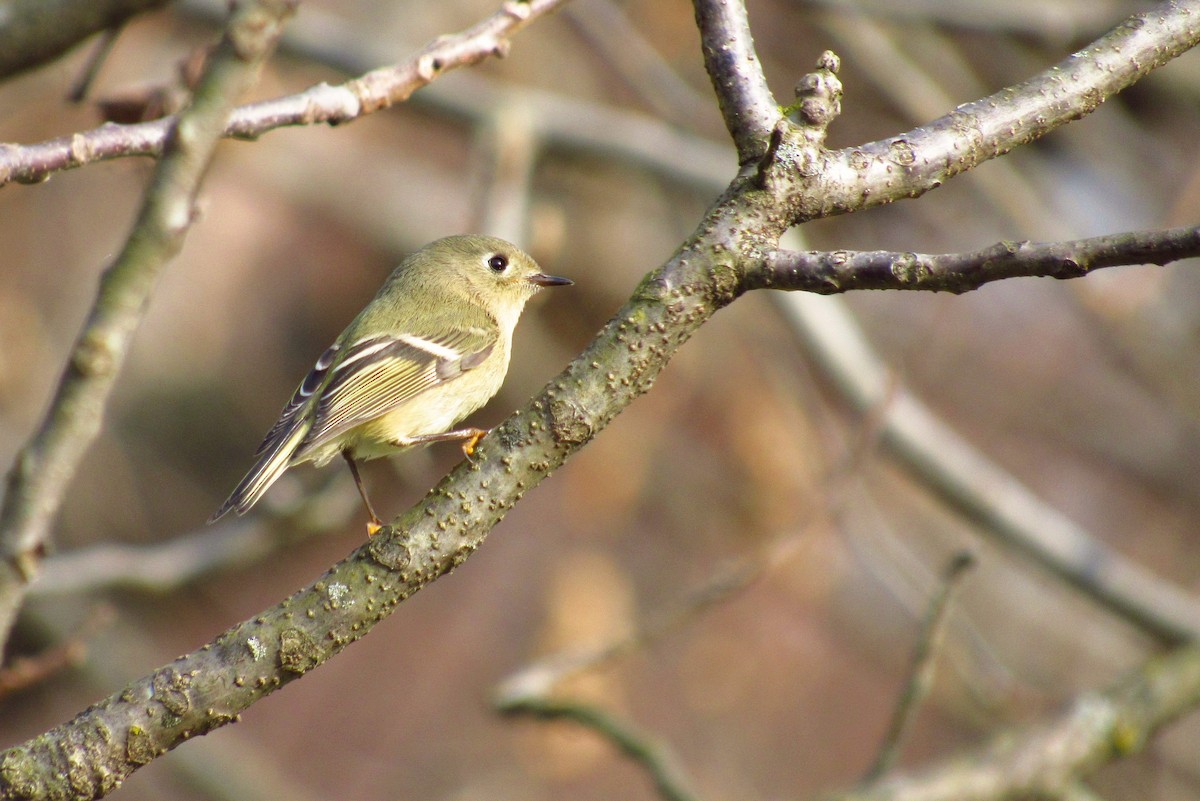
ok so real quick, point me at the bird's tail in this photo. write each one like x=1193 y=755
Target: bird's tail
x=272 y=461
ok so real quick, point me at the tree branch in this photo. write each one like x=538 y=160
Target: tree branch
x=920 y=668
x=838 y=271
x=1053 y=758
x=749 y=110
x=653 y=756
x=211 y=686
x=43 y=468
x=980 y=490
x=33 y=32
x=334 y=105
x=912 y=163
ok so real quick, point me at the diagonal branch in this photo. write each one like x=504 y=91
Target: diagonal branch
x=837 y=271
x=912 y=163
x=209 y=687
x=43 y=469
x=973 y=485
x=1046 y=761
x=746 y=103
x=356 y=98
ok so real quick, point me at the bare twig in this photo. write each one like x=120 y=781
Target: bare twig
x=628 y=52
x=921 y=667
x=44 y=468
x=83 y=84
x=982 y=491
x=653 y=756
x=377 y=89
x=540 y=678
x=1050 y=760
x=844 y=270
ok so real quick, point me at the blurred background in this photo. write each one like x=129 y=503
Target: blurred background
x=597 y=145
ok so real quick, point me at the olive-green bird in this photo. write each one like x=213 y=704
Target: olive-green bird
x=429 y=349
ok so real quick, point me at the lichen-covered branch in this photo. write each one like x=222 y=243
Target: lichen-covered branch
x=212 y=685
x=368 y=93
x=830 y=272
x=33 y=32
x=44 y=467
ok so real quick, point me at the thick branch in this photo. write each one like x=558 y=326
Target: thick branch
x=368 y=93
x=749 y=110
x=829 y=273
x=211 y=686
x=33 y=32
x=43 y=469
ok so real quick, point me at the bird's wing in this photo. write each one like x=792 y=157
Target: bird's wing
x=376 y=374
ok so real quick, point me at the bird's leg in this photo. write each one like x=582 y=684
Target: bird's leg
x=470 y=437
x=375 y=523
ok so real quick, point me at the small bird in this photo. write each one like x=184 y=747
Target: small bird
x=430 y=348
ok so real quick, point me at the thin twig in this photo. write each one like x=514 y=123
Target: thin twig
x=921 y=668
x=628 y=53
x=539 y=678
x=45 y=466
x=1048 y=760
x=371 y=92
x=654 y=756
x=979 y=489
x=83 y=84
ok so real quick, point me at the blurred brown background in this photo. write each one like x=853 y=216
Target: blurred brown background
x=1087 y=391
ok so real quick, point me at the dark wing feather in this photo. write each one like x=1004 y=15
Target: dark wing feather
x=311 y=383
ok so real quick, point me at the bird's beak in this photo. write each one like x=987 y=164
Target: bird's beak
x=541 y=279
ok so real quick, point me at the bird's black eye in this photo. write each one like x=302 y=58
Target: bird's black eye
x=498 y=263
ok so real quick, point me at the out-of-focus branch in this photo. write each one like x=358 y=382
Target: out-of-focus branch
x=377 y=89
x=33 y=32
x=164 y=567
x=44 y=468
x=654 y=757
x=843 y=270
x=627 y=51
x=26 y=671
x=921 y=668
x=556 y=120
x=1060 y=21
x=1050 y=760
x=979 y=489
